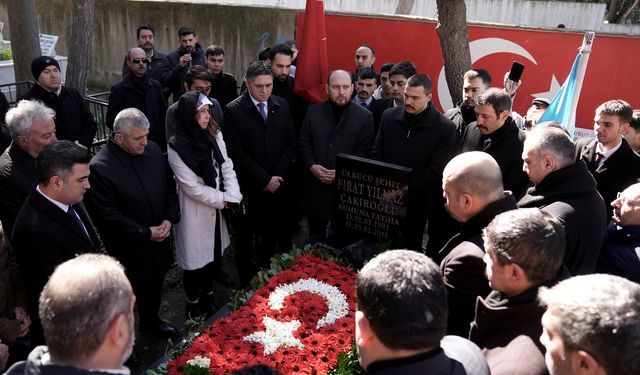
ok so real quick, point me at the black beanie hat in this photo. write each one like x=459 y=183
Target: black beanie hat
x=41 y=63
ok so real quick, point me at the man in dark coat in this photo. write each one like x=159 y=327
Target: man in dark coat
x=496 y=133
x=612 y=162
x=404 y=336
x=138 y=90
x=224 y=87
x=475 y=82
x=365 y=85
x=417 y=136
x=73 y=120
x=280 y=57
x=189 y=53
x=472 y=185
x=32 y=127
x=88 y=319
x=565 y=189
x=261 y=142
x=619 y=254
x=524 y=252
x=53 y=226
x=134 y=201
x=156 y=58
x=330 y=128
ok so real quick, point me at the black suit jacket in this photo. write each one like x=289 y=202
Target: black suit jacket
x=258 y=150
x=506 y=147
x=44 y=236
x=17 y=178
x=615 y=174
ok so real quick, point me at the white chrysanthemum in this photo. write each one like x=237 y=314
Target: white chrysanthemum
x=277 y=335
x=199 y=361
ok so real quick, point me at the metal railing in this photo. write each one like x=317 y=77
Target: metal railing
x=14 y=91
x=98 y=107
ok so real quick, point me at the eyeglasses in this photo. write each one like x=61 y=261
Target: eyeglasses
x=140 y=61
x=626 y=201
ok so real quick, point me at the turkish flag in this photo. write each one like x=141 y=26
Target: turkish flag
x=312 y=68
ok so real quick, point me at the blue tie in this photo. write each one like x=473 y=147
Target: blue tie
x=263 y=111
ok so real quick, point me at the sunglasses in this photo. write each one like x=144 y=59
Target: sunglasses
x=140 y=61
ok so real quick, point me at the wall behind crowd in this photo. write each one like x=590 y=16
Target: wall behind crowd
x=242 y=31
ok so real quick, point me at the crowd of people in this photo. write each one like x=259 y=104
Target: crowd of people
x=520 y=221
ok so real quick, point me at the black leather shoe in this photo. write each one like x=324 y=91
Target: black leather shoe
x=208 y=305
x=224 y=279
x=161 y=328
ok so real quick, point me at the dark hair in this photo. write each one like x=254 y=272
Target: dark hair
x=420 y=80
x=186 y=30
x=282 y=49
x=144 y=27
x=197 y=72
x=257 y=68
x=617 y=107
x=386 y=67
x=599 y=314
x=214 y=50
x=478 y=73
x=496 y=98
x=264 y=54
x=529 y=237
x=367 y=73
x=402 y=294
x=635 y=120
x=373 y=53
x=58 y=158
x=406 y=68
x=291 y=43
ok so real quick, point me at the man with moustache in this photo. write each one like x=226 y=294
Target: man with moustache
x=73 y=120
x=137 y=89
x=417 y=136
x=365 y=85
x=188 y=54
x=86 y=309
x=496 y=133
x=475 y=82
x=156 y=58
x=330 y=128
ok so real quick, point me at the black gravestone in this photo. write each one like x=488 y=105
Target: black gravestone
x=371 y=198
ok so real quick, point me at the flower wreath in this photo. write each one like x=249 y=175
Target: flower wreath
x=298 y=323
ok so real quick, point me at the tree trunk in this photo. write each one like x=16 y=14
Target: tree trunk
x=25 y=41
x=454 y=42
x=80 y=54
x=622 y=11
x=405 y=6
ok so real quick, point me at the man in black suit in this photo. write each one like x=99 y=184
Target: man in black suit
x=365 y=85
x=611 y=161
x=32 y=126
x=261 y=141
x=137 y=89
x=280 y=57
x=224 y=87
x=134 y=201
x=417 y=136
x=53 y=225
x=336 y=126
x=188 y=54
x=496 y=133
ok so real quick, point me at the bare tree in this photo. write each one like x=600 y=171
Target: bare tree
x=405 y=6
x=454 y=43
x=80 y=53
x=619 y=10
x=25 y=42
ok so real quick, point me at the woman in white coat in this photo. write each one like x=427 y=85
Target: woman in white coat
x=198 y=157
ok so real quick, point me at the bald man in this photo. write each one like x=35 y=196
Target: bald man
x=330 y=128
x=474 y=194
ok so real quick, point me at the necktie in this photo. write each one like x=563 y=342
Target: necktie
x=486 y=144
x=364 y=104
x=76 y=219
x=596 y=160
x=263 y=111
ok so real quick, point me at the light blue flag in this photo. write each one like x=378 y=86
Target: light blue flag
x=563 y=106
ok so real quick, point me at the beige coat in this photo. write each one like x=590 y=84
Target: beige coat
x=198 y=204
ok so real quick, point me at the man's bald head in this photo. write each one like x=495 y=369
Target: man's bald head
x=339 y=87
x=474 y=172
x=339 y=74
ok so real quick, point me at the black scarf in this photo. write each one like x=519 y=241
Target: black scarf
x=195 y=146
